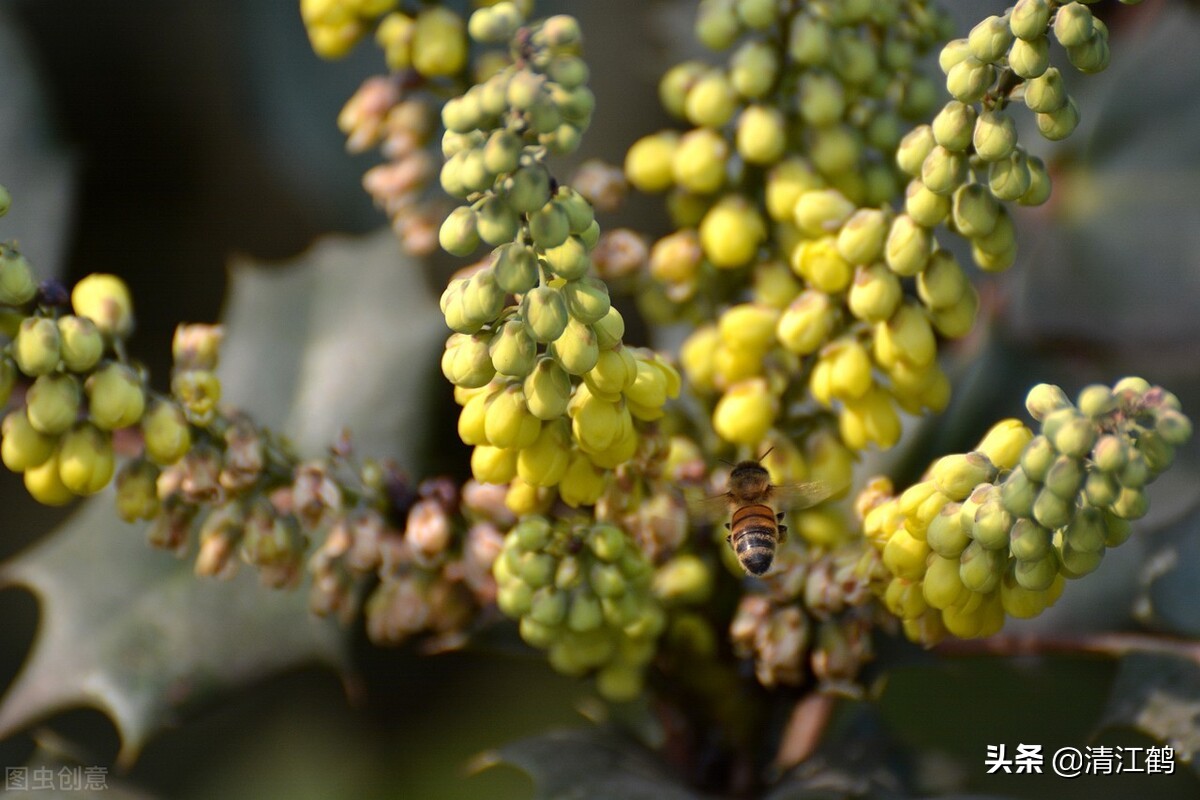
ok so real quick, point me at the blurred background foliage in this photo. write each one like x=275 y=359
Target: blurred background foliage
x=160 y=140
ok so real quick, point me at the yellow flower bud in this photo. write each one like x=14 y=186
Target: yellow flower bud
x=697 y=354
x=761 y=134
x=957 y=320
x=698 y=164
x=609 y=329
x=523 y=499
x=85 y=459
x=818 y=262
x=471 y=429
x=37 y=348
x=82 y=344
x=395 y=34
x=547 y=390
x=745 y=412
x=545 y=461
x=595 y=422
x=17 y=286
x=507 y=421
x=105 y=300
x=581 y=483
x=615 y=371
x=439 y=43
x=904 y=555
x=774 y=285
x=876 y=414
x=786 y=181
x=22 y=446
x=648 y=162
x=52 y=403
x=749 y=326
x=734 y=364
x=493 y=464
x=907 y=336
x=850 y=368
x=1004 y=441
x=166 y=433
x=806 y=323
x=711 y=101
x=44 y=484
x=875 y=294
x=731 y=232
x=115 y=397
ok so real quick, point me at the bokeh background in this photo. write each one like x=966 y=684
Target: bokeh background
x=160 y=140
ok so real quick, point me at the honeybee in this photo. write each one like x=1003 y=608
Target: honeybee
x=756 y=529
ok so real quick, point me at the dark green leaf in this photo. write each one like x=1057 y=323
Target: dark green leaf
x=1159 y=695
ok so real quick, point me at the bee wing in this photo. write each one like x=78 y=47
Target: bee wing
x=797 y=496
x=709 y=508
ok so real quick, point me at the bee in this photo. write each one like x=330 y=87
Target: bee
x=756 y=529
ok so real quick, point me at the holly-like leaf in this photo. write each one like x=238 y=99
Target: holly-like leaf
x=342 y=338
x=1159 y=695
x=1170 y=579
x=590 y=764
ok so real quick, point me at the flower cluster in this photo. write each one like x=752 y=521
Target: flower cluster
x=995 y=531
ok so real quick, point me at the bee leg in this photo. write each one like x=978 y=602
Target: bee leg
x=782 y=534
x=729 y=540
x=779 y=516
x=728 y=526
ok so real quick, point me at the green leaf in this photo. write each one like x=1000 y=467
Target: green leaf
x=590 y=764
x=342 y=338
x=1170 y=579
x=1159 y=695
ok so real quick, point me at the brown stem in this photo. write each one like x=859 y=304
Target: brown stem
x=1101 y=644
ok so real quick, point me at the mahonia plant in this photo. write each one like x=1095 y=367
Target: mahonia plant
x=808 y=192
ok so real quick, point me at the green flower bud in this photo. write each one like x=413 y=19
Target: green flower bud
x=675 y=83
x=995 y=136
x=576 y=350
x=496 y=222
x=1116 y=530
x=974 y=211
x=609 y=329
x=1017 y=493
x=1131 y=503
x=587 y=299
x=1029 y=541
x=1086 y=532
x=1096 y=400
x=957 y=320
x=1029 y=19
x=969 y=79
x=439 y=43
x=761 y=134
x=898 y=53
x=875 y=294
x=482 y=298
x=451 y=176
x=1044 y=399
x=37 y=348
x=717 y=24
x=1101 y=489
x=1092 y=56
x=580 y=214
x=753 y=69
x=1174 y=428
x=8 y=379
x=525 y=88
x=807 y=322
x=1029 y=58
x=854 y=58
x=1073 y=24
x=1039 y=186
x=942 y=283
x=462 y=114
x=1109 y=454
x=512 y=350
x=549 y=226
x=472 y=173
x=1075 y=437
x=1159 y=455
x=166 y=433
x=5 y=200
x=953 y=53
x=543 y=115
x=458 y=235
x=908 y=246
x=17 y=286
x=1009 y=178
x=115 y=397
x=585 y=613
x=591 y=235
x=52 y=403
x=810 y=40
x=528 y=189
x=926 y=208
x=23 y=446
x=1037 y=575
x=1058 y=125
x=44 y=484
x=943 y=170
x=860 y=240
x=515 y=599
x=884 y=131
x=1052 y=511
x=137 y=493
x=1065 y=477
x=711 y=102
x=105 y=300
x=990 y=39
x=953 y=125
x=1037 y=458
x=835 y=149
x=548 y=607
x=545 y=312
x=821 y=98
x=569 y=260
x=946 y=535
x=85 y=459
x=1046 y=93
x=979 y=569
x=515 y=268
x=914 y=148
x=81 y=342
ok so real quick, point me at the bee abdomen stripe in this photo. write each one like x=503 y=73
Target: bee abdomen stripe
x=753 y=538
x=756 y=514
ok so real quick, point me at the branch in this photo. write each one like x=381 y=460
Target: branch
x=1102 y=644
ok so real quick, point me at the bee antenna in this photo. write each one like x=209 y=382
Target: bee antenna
x=764 y=455
x=726 y=463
